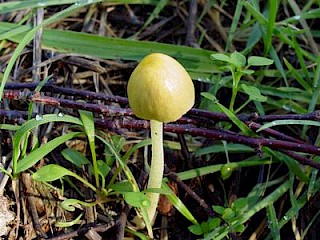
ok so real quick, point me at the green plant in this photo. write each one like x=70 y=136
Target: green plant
x=238 y=65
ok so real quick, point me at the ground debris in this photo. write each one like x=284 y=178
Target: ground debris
x=6 y=216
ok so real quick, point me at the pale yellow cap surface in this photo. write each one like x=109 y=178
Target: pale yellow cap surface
x=160 y=89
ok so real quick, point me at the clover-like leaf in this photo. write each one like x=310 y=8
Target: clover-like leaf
x=221 y=57
x=253 y=93
x=259 y=61
x=238 y=59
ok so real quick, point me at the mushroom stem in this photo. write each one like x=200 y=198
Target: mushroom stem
x=157 y=166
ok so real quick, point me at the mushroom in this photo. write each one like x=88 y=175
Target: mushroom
x=159 y=90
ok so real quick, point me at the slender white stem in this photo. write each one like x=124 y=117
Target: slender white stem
x=157 y=166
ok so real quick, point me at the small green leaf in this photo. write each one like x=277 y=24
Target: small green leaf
x=209 y=96
x=75 y=157
x=228 y=214
x=247 y=72
x=238 y=59
x=239 y=228
x=240 y=204
x=259 y=61
x=196 y=229
x=103 y=168
x=214 y=223
x=137 y=199
x=51 y=173
x=122 y=187
x=221 y=57
x=218 y=209
x=253 y=93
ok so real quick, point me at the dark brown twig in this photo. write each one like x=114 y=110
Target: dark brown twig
x=83 y=94
x=186 y=125
x=174 y=177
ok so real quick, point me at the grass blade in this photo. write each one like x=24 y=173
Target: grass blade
x=235 y=23
x=37 y=154
x=196 y=61
x=273 y=223
x=288 y=122
x=33 y=123
x=88 y=125
x=273 y=9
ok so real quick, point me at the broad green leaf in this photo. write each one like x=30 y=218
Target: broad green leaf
x=253 y=93
x=75 y=157
x=37 y=154
x=54 y=172
x=239 y=228
x=259 y=61
x=221 y=57
x=218 y=209
x=240 y=204
x=122 y=187
x=238 y=59
x=137 y=199
x=51 y=173
x=228 y=214
x=213 y=223
x=196 y=229
x=103 y=168
x=196 y=61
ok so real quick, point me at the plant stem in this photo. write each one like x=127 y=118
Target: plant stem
x=157 y=166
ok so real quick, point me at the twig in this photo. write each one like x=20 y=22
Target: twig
x=186 y=124
x=191 y=23
x=26 y=179
x=257 y=143
x=82 y=231
x=174 y=177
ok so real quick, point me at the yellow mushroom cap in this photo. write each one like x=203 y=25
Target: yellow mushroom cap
x=160 y=89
